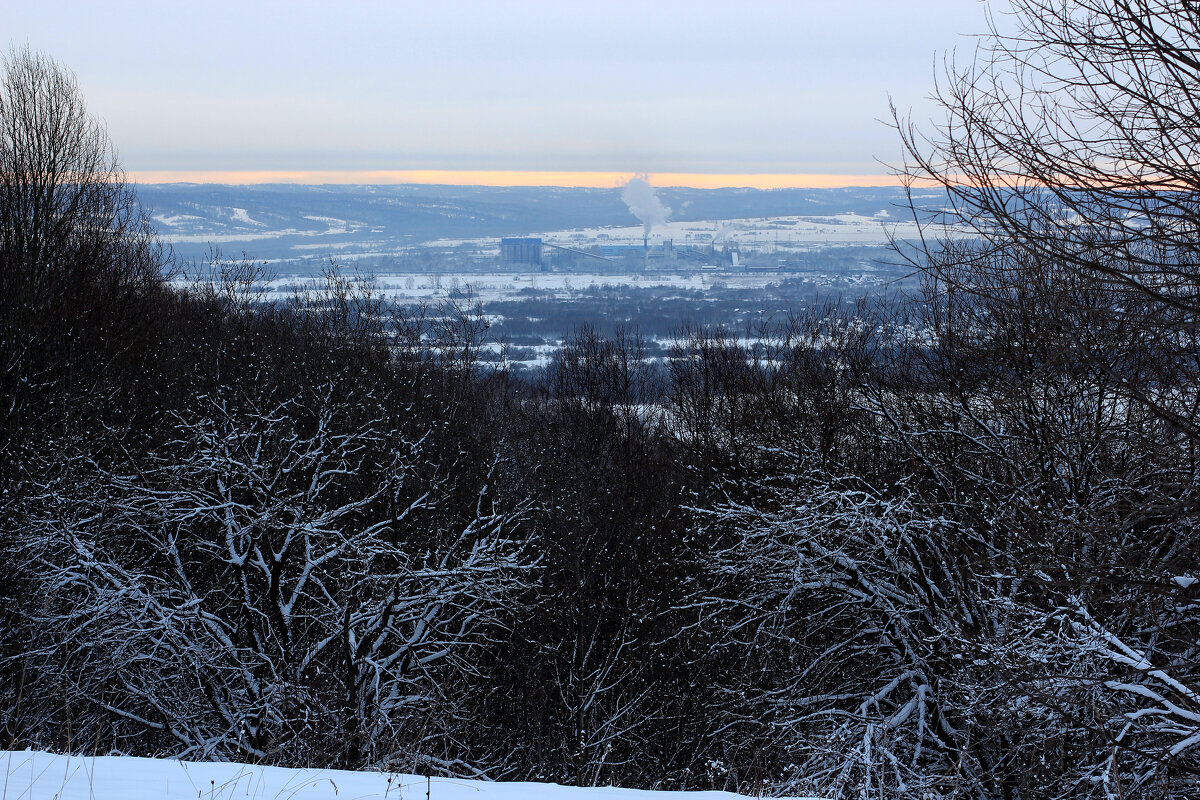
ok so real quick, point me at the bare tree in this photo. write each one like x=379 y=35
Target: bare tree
x=1072 y=138
x=866 y=606
x=62 y=188
x=79 y=269
x=73 y=238
x=1061 y=362
x=261 y=585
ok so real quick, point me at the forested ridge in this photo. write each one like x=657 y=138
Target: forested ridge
x=933 y=545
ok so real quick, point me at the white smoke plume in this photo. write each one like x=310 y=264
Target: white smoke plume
x=644 y=204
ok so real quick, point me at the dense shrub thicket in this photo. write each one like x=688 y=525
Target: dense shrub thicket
x=933 y=546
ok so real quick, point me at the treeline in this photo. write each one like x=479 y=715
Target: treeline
x=656 y=312
x=934 y=546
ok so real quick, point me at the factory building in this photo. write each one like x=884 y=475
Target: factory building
x=521 y=250
x=666 y=252
x=643 y=252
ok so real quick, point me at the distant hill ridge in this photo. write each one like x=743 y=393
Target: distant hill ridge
x=272 y=221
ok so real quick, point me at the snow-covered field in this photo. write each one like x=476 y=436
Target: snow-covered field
x=179 y=229
x=32 y=775
x=486 y=287
x=791 y=231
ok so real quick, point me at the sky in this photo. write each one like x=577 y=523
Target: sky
x=504 y=91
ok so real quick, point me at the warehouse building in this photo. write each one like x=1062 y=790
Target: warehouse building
x=521 y=250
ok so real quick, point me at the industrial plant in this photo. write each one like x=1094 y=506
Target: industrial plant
x=525 y=252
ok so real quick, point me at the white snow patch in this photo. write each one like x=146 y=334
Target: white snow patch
x=331 y=221
x=240 y=215
x=176 y=219
x=33 y=775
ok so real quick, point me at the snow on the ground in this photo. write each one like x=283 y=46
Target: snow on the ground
x=243 y=216
x=176 y=219
x=831 y=230
x=33 y=775
x=492 y=286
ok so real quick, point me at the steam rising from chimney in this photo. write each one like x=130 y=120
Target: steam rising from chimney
x=644 y=204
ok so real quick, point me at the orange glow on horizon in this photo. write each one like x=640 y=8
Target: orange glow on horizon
x=597 y=180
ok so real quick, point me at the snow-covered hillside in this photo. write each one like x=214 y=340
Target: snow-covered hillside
x=287 y=224
x=31 y=775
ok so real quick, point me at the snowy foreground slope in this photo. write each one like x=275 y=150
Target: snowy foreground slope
x=32 y=775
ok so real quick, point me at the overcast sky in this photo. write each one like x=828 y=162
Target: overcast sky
x=611 y=86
